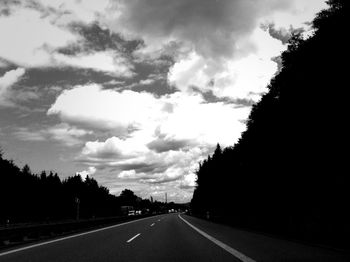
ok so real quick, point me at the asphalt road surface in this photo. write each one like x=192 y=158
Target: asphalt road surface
x=170 y=237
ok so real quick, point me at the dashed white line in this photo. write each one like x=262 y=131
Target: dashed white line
x=152 y=224
x=131 y=239
x=68 y=237
x=229 y=249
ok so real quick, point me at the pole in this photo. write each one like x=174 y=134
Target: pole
x=77 y=201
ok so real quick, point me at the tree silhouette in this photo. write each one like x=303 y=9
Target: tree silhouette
x=286 y=173
x=28 y=197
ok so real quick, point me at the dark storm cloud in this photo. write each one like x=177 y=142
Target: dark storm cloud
x=213 y=27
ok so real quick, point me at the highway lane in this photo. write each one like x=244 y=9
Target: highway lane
x=267 y=248
x=169 y=238
x=161 y=238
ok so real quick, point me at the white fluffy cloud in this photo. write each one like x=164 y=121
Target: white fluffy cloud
x=157 y=139
x=145 y=117
x=238 y=78
x=6 y=81
x=121 y=112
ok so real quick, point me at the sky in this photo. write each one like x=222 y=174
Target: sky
x=134 y=93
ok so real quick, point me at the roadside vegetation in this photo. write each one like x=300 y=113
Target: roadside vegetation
x=26 y=197
x=288 y=174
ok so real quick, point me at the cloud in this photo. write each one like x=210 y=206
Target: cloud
x=3 y=64
x=232 y=78
x=113 y=148
x=105 y=61
x=63 y=133
x=89 y=172
x=6 y=81
x=145 y=167
x=66 y=134
x=86 y=11
x=162 y=144
x=23 y=133
x=155 y=139
x=212 y=28
x=34 y=35
x=27 y=38
x=145 y=117
x=120 y=112
x=217 y=46
x=298 y=15
x=206 y=61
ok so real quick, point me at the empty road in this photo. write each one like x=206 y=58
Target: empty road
x=170 y=237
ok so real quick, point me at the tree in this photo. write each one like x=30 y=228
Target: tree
x=285 y=174
x=128 y=197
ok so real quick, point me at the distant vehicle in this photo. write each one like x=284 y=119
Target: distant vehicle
x=126 y=209
x=131 y=213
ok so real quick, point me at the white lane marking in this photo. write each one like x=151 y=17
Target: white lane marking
x=131 y=239
x=229 y=249
x=68 y=237
x=152 y=225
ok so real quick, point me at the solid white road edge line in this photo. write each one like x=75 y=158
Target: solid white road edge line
x=68 y=237
x=229 y=249
x=131 y=239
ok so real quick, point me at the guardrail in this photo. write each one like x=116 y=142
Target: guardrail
x=18 y=235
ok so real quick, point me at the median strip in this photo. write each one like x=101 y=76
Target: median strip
x=131 y=239
x=229 y=249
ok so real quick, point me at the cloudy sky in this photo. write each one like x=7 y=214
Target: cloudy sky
x=135 y=92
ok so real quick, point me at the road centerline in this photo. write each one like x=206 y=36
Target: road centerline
x=227 y=248
x=131 y=239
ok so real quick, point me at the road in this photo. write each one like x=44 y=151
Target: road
x=171 y=237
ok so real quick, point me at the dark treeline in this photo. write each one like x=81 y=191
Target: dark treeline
x=287 y=174
x=28 y=197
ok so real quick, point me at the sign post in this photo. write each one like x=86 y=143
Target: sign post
x=77 y=201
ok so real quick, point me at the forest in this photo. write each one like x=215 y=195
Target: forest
x=287 y=173
x=26 y=197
